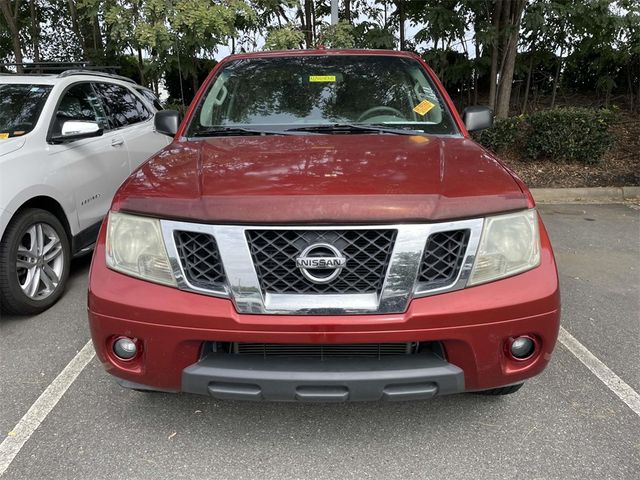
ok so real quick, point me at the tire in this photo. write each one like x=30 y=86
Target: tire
x=25 y=242
x=502 y=390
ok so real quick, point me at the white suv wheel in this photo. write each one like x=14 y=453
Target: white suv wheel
x=34 y=262
x=39 y=261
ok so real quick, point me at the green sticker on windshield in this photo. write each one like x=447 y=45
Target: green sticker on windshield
x=322 y=78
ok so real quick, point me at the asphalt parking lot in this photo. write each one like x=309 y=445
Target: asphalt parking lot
x=566 y=423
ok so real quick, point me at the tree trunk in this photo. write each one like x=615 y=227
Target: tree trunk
x=11 y=18
x=308 y=31
x=528 y=85
x=87 y=30
x=401 y=18
x=35 y=31
x=73 y=13
x=313 y=26
x=196 y=83
x=347 y=11
x=506 y=74
x=493 y=76
x=141 y=66
x=555 y=80
x=475 y=74
x=98 y=44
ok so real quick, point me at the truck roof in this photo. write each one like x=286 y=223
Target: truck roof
x=322 y=51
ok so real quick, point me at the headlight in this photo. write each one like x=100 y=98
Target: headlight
x=135 y=247
x=510 y=244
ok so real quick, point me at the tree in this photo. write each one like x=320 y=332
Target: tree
x=307 y=23
x=511 y=23
x=340 y=35
x=495 y=50
x=284 y=38
x=10 y=11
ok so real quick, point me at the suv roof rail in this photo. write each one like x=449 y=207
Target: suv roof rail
x=86 y=71
x=67 y=69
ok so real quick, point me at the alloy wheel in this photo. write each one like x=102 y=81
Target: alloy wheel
x=39 y=261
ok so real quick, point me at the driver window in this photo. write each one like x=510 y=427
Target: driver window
x=79 y=103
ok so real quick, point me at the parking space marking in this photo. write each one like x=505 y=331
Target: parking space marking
x=29 y=423
x=618 y=386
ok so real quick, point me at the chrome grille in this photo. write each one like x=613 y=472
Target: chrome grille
x=200 y=259
x=442 y=258
x=367 y=252
x=368 y=350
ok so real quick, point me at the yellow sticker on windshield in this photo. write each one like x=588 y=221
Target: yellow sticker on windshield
x=3 y=136
x=423 y=107
x=322 y=78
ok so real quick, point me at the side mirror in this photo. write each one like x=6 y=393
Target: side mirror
x=76 y=130
x=477 y=118
x=167 y=122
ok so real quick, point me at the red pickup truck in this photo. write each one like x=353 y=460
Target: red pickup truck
x=323 y=228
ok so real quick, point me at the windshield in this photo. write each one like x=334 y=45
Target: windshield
x=20 y=107
x=287 y=93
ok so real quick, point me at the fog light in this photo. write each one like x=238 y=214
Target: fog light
x=522 y=347
x=125 y=348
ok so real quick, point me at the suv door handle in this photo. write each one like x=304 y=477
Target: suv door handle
x=116 y=142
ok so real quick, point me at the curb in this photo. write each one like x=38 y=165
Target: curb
x=586 y=195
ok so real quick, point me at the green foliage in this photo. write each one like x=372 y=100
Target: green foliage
x=503 y=135
x=591 y=47
x=187 y=87
x=284 y=38
x=370 y=35
x=340 y=35
x=568 y=134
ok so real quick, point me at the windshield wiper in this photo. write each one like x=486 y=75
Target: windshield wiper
x=231 y=131
x=353 y=128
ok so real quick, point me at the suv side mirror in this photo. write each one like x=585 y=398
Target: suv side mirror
x=167 y=122
x=76 y=130
x=477 y=118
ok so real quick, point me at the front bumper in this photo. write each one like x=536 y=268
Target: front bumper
x=473 y=325
x=413 y=377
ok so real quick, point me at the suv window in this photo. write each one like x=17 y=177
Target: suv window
x=123 y=106
x=20 y=107
x=80 y=102
x=151 y=97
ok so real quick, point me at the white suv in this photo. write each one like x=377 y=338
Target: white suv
x=67 y=142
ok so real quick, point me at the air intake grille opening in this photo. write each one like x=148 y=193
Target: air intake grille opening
x=200 y=259
x=443 y=258
x=322 y=351
x=366 y=350
x=367 y=252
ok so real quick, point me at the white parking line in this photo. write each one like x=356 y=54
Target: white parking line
x=627 y=394
x=31 y=420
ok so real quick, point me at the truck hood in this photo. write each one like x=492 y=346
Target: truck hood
x=320 y=179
